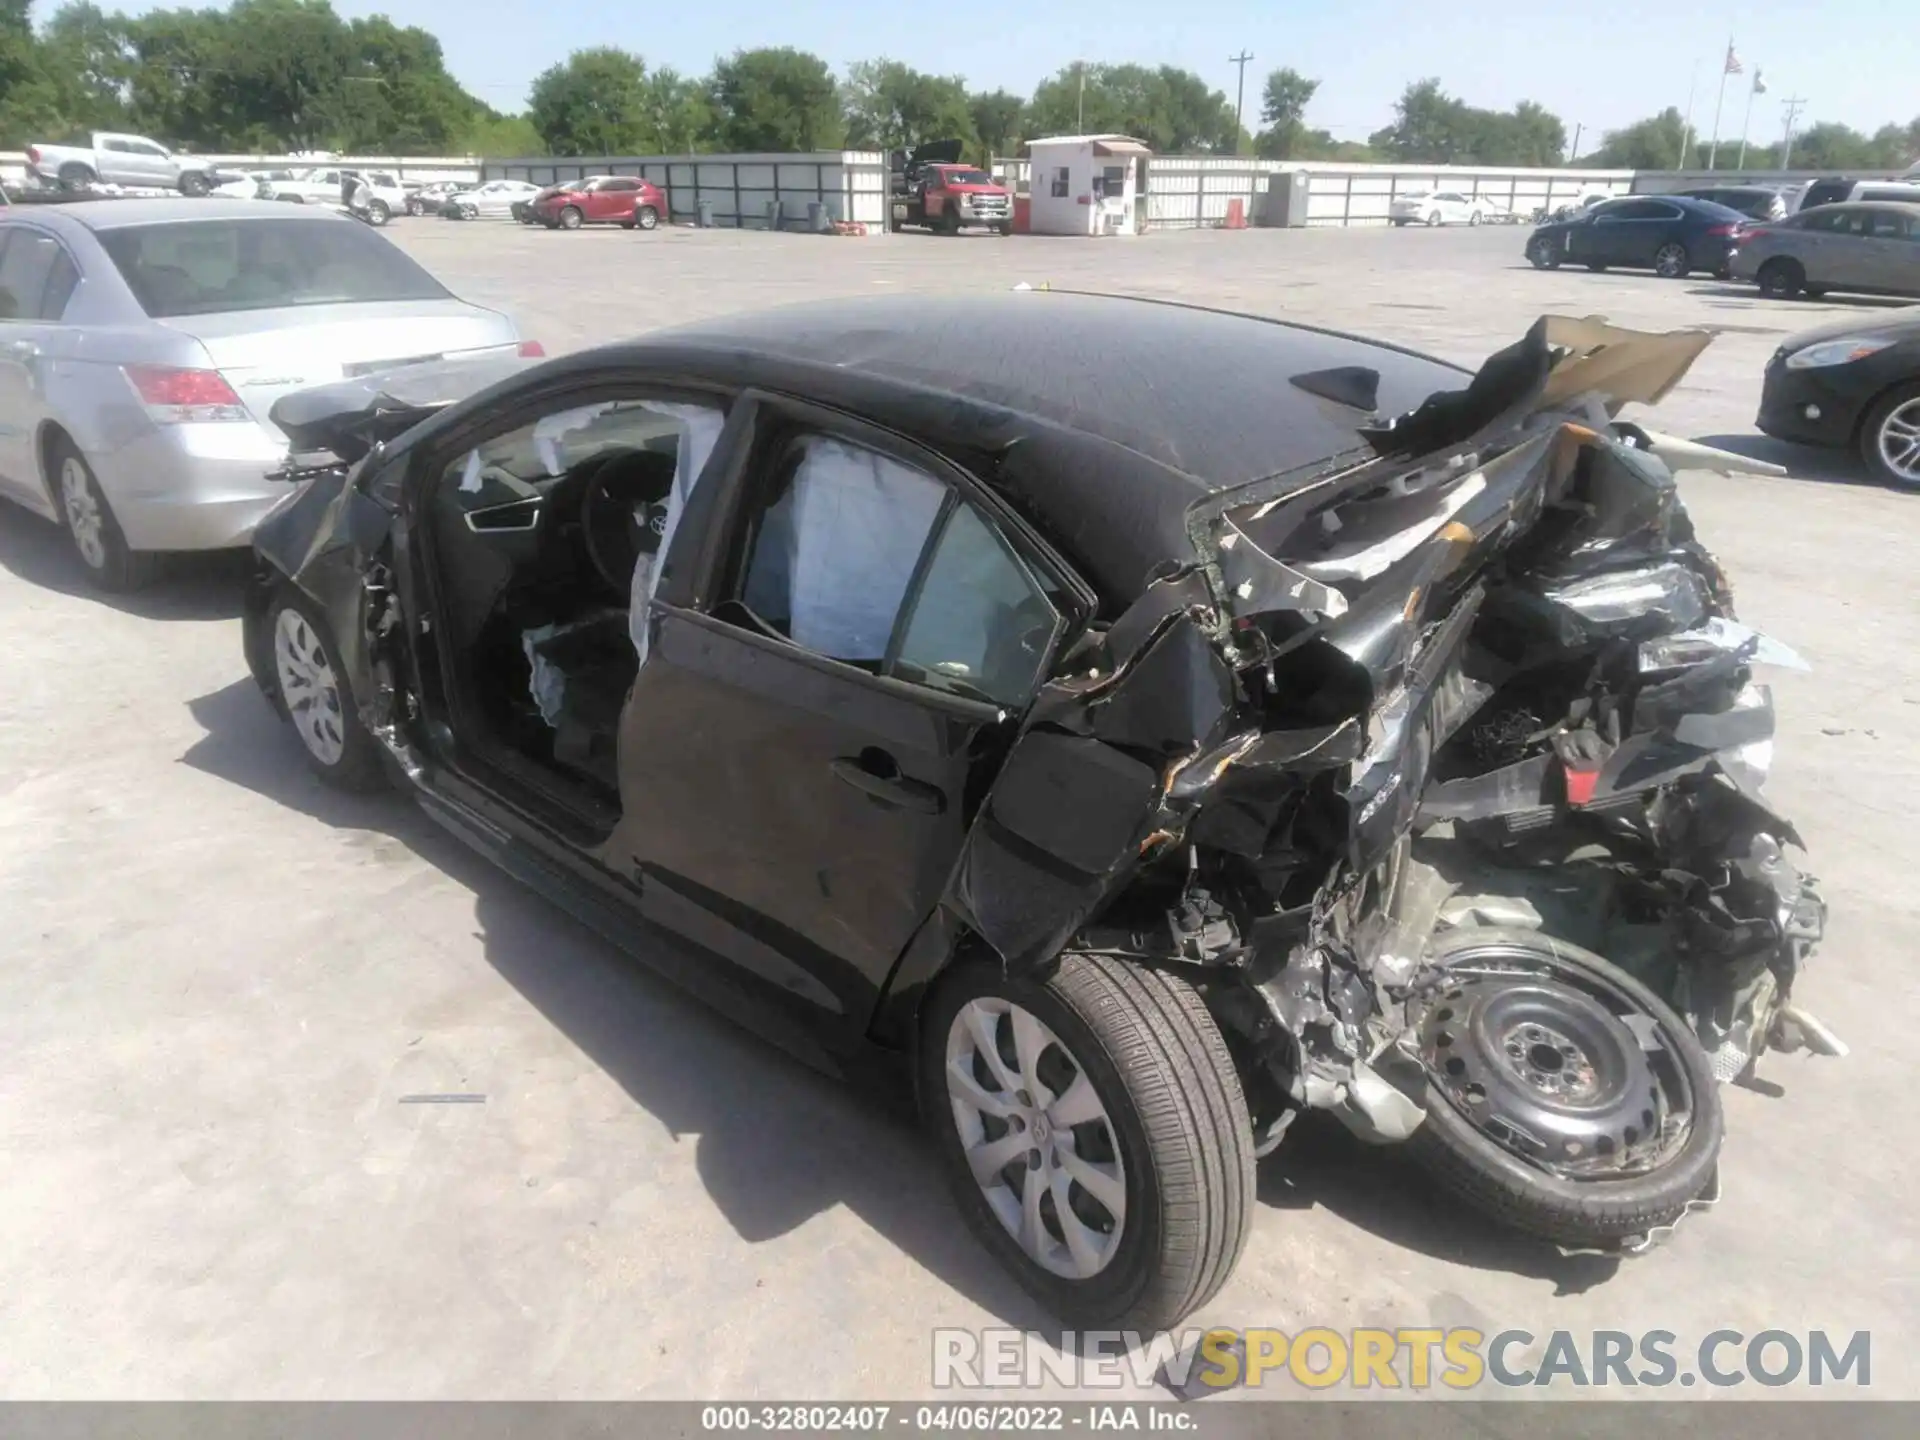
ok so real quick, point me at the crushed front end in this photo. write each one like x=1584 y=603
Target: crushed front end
x=1438 y=773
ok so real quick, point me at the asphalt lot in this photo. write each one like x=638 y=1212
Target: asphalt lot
x=221 y=980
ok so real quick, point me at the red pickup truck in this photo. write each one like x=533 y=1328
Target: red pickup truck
x=932 y=189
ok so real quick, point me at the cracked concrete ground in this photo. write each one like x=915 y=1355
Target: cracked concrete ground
x=222 y=980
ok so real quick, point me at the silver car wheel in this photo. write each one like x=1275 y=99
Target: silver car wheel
x=308 y=687
x=1031 y=1148
x=82 y=507
x=1899 y=442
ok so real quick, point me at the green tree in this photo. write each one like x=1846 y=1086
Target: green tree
x=1283 y=104
x=593 y=103
x=776 y=101
x=1650 y=144
x=1000 y=120
x=1172 y=110
x=892 y=106
x=28 y=104
x=679 y=113
x=1433 y=127
x=1830 y=145
x=501 y=136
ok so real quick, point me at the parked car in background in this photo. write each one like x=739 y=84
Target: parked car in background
x=1867 y=248
x=522 y=210
x=491 y=200
x=1441 y=207
x=113 y=159
x=428 y=198
x=1756 y=202
x=144 y=340
x=1854 y=384
x=1667 y=234
x=1100 y=793
x=624 y=200
x=1839 y=189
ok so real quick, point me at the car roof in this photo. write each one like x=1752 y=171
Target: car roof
x=1898 y=207
x=1203 y=392
x=100 y=215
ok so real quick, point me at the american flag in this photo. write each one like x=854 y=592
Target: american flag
x=1734 y=67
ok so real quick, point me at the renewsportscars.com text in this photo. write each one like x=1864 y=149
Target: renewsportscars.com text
x=1318 y=1358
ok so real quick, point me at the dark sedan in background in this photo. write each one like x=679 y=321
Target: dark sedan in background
x=1852 y=384
x=1667 y=234
x=1756 y=202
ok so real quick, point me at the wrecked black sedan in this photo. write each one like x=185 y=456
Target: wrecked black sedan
x=1118 y=726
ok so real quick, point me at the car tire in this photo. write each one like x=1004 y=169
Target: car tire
x=1598 y=267
x=1163 y=1134
x=312 y=692
x=469 y=212
x=570 y=217
x=75 y=176
x=1499 y=1181
x=1671 y=261
x=1544 y=253
x=1890 y=437
x=1003 y=229
x=1433 y=217
x=1399 y=223
x=194 y=183
x=378 y=213
x=1473 y=217
x=90 y=524
x=647 y=218
x=1781 y=279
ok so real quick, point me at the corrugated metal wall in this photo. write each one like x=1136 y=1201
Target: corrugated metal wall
x=743 y=189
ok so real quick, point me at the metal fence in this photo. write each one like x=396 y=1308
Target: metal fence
x=1187 y=192
x=746 y=191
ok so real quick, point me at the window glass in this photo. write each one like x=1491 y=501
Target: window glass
x=1062 y=177
x=832 y=553
x=526 y=463
x=1886 y=225
x=202 y=267
x=980 y=625
x=26 y=264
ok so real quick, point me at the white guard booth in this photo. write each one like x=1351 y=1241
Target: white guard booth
x=1087 y=185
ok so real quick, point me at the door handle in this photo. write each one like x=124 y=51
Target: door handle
x=896 y=789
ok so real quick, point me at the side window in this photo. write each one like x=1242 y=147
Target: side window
x=154 y=152
x=830 y=556
x=1062 y=180
x=118 y=147
x=981 y=624
x=1822 y=224
x=868 y=561
x=29 y=262
x=1886 y=225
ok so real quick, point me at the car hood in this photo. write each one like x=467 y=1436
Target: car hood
x=1901 y=324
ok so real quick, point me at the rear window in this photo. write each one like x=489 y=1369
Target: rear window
x=207 y=267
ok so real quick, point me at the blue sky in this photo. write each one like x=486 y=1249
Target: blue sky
x=1599 y=65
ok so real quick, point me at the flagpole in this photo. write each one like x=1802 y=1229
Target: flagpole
x=1746 y=121
x=1713 y=150
x=1686 y=130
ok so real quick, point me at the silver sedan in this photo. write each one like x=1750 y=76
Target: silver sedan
x=142 y=342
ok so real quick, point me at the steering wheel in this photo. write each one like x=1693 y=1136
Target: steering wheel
x=623 y=515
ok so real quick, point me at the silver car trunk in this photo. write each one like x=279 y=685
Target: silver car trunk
x=269 y=353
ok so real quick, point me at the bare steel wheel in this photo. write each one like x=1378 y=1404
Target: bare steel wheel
x=1564 y=1098
x=313 y=693
x=1890 y=437
x=1092 y=1126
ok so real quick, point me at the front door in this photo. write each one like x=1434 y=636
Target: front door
x=611 y=200
x=36 y=279
x=805 y=744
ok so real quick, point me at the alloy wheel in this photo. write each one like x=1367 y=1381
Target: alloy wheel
x=308 y=687
x=84 y=517
x=1037 y=1137
x=1670 y=262
x=1899 y=442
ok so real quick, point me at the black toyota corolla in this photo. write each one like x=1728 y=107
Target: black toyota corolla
x=1852 y=385
x=1114 y=728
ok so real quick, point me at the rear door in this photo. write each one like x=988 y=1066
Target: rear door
x=1904 y=271
x=1630 y=232
x=829 y=685
x=37 y=277
x=1885 y=249
x=612 y=199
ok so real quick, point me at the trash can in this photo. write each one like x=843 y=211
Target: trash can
x=703 y=214
x=817 y=222
x=773 y=215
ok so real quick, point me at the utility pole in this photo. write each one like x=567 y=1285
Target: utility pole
x=1080 y=114
x=1574 y=153
x=1793 y=105
x=1240 y=94
x=1686 y=130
